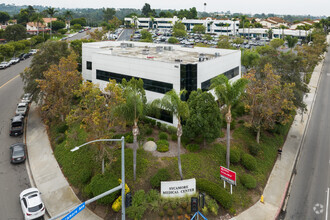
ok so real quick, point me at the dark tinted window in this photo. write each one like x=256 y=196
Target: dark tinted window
x=89 y=65
x=188 y=79
x=148 y=84
x=16 y=124
x=229 y=74
x=35 y=208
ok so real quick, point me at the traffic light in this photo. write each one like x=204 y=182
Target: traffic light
x=201 y=200
x=128 y=200
x=194 y=204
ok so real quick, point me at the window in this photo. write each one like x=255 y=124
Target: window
x=148 y=84
x=89 y=65
x=188 y=79
x=229 y=74
x=164 y=116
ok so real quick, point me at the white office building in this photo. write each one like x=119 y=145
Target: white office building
x=161 y=67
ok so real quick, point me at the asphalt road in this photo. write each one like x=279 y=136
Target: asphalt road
x=125 y=35
x=309 y=197
x=13 y=178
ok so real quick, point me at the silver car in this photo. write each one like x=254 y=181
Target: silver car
x=27 y=98
x=4 y=65
x=22 y=108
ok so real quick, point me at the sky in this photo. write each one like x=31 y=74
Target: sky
x=292 y=7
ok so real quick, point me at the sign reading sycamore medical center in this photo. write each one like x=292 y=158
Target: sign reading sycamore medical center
x=228 y=175
x=178 y=188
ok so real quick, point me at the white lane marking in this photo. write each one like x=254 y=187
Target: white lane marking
x=318 y=208
x=326 y=208
x=9 y=81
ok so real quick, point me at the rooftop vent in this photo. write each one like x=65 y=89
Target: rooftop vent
x=169 y=48
x=145 y=51
x=159 y=49
x=217 y=54
x=178 y=60
x=130 y=45
x=123 y=45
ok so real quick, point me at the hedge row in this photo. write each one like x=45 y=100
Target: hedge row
x=215 y=191
x=161 y=175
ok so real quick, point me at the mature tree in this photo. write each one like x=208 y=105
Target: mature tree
x=51 y=12
x=15 y=32
x=228 y=94
x=180 y=109
x=50 y=53
x=37 y=18
x=57 y=25
x=179 y=30
x=147 y=11
x=58 y=86
x=6 y=50
x=133 y=109
x=81 y=21
x=25 y=15
x=108 y=13
x=4 y=16
x=94 y=112
x=199 y=28
x=204 y=119
x=250 y=59
x=268 y=101
x=146 y=36
x=114 y=23
x=242 y=23
x=97 y=35
x=224 y=42
x=68 y=16
x=291 y=41
x=173 y=40
x=76 y=46
x=276 y=43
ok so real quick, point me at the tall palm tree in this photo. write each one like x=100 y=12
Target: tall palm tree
x=38 y=19
x=228 y=95
x=243 y=18
x=132 y=110
x=180 y=109
x=68 y=15
x=51 y=11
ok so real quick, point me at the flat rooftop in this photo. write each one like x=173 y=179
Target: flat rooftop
x=158 y=52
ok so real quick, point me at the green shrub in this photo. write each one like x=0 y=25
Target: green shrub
x=254 y=149
x=248 y=181
x=215 y=191
x=153 y=195
x=62 y=31
x=235 y=156
x=212 y=205
x=249 y=162
x=136 y=213
x=184 y=204
x=149 y=131
x=161 y=175
x=179 y=211
x=129 y=138
x=170 y=212
x=60 y=138
x=62 y=128
x=161 y=213
x=174 y=137
x=188 y=210
x=162 y=145
x=158 y=124
x=165 y=207
x=150 y=139
x=139 y=198
x=163 y=127
x=152 y=122
x=173 y=40
x=241 y=121
x=205 y=210
x=102 y=183
x=174 y=205
x=233 y=125
x=163 y=136
x=172 y=129
x=193 y=147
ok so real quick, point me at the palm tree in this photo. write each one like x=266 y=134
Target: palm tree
x=243 y=18
x=228 y=95
x=180 y=109
x=38 y=19
x=51 y=11
x=68 y=15
x=133 y=109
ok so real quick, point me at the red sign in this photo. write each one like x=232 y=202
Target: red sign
x=228 y=175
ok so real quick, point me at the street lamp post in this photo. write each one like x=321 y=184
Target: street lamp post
x=121 y=186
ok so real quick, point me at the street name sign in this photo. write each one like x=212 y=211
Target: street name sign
x=228 y=175
x=74 y=212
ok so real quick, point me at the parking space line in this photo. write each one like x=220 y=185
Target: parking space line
x=9 y=81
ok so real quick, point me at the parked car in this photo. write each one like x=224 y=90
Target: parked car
x=31 y=203
x=27 y=98
x=4 y=65
x=22 y=108
x=24 y=56
x=33 y=51
x=17 y=153
x=17 y=125
x=14 y=60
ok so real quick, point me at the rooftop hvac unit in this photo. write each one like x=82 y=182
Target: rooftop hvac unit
x=178 y=60
x=169 y=48
x=145 y=51
x=159 y=49
x=130 y=45
x=123 y=45
x=217 y=54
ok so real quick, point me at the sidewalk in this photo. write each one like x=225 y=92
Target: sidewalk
x=279 y=179
x=47 y=175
